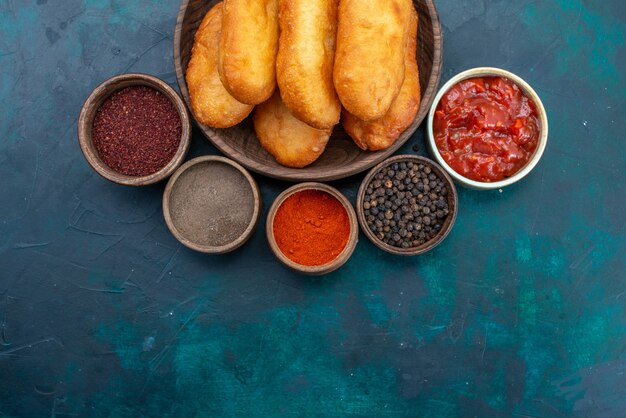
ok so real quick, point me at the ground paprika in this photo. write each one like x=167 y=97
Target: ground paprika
x=311 y=227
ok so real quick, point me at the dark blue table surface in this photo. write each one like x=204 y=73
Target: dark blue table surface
x=520 y=312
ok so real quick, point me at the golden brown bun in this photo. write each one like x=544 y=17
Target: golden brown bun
x=304 y=65
x=247 y=51
x=292 y=142
x=211 y=103
x=369 y=60
x=383 y=133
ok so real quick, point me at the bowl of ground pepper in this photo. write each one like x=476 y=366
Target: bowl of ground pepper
x=407 y=205
x=312 y=228
x=134 y=129
x=212 y=204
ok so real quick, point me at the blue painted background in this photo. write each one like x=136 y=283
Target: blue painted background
x=520 y=312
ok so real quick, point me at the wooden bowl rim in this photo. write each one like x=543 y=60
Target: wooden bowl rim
x=93 y=103
x=209 y=249
x=453 y=203
x=342 y=258
x=297 y=175
x=527 y=89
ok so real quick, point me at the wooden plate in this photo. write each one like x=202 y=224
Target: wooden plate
x=342 y=158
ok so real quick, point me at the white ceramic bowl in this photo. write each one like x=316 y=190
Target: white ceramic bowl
x=525 y=87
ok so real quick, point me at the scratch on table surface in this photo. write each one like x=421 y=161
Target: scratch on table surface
x=154 y=364
x=580 y=14
x=78 y=205
x=141 y=55
x=482 y=356
x=75 y=15
x=156 y=361
x=150 y=308
x=43 y=390
x=274 y=278
x=555 y=42
x=576 y=264
x=186 y=301
x=32 y=344
x=466 y=283
x=140 y=221
x=436 y=327
x=190 y=318
x=68 y=129
x=169 y=262
x=549 y=406
x=163 y=34
x=109 y=247
x=130 y=282
x=4 y=341
x=31 y=192
x=580 y=160
x=90 y=289
x=71 y=263
x=89 y=231
x=23 y=245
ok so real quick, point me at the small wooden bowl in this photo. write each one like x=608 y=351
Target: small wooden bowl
x=341 y=258
x=342 y=158
x=193 y=188
x=93 y=103
x=453 y=204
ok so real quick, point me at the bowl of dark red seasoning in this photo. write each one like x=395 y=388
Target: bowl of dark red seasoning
x=487 y=128
x=134 y=130
x=407 y=205
x=312 y=228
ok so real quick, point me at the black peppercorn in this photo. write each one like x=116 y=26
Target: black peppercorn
x=405 y=204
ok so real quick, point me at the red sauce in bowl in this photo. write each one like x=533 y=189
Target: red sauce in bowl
x=486 y=128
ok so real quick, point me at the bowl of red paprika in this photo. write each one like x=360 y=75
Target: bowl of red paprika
x=312 y=228
x=487 y=128
x=134 y=130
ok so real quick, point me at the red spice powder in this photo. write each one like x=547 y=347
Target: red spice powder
x=311 y=228
x=137 y=131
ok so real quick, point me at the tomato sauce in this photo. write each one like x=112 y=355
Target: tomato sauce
x=486 y=129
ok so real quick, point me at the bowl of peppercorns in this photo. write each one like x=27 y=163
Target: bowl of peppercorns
x=407 y=205
x=134 y=130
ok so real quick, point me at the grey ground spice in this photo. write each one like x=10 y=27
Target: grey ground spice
x=212 y=204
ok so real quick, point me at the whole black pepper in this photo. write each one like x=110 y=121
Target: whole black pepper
x=406 y=204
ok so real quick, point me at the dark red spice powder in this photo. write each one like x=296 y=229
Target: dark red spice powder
x=137 y=131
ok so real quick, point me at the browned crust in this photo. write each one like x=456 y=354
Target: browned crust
x=247 y=49
x=304 y=65
x=383 y=133
x=369 y=58
x=212 y=105
x=292 y=142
